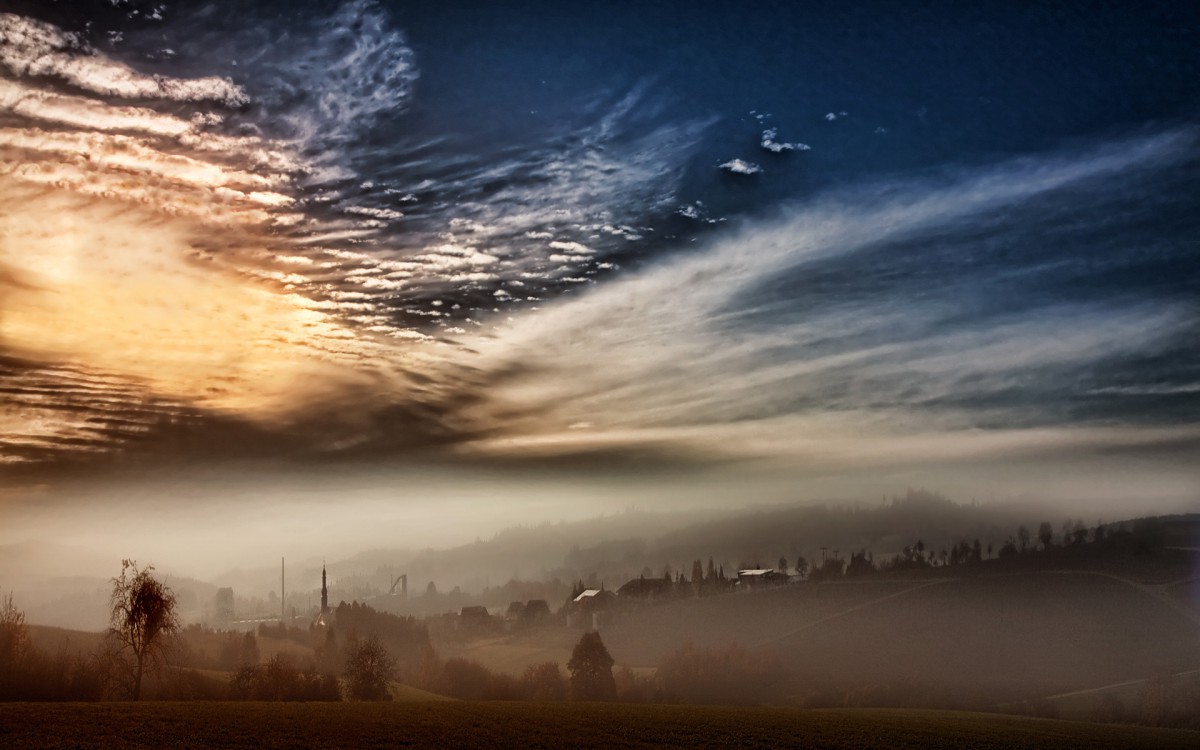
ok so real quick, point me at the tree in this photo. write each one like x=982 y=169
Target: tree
x=142 y=615
x=721 y=675
x=369 y=669
x=591 y=670
x=544 y=682
x=14 y=633
x=1079 y=532
x=1023 y=537
x=14 y=648
x=1046 y=534
x=801 y=566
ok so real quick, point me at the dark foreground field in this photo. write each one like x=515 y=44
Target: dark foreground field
x=501 y=725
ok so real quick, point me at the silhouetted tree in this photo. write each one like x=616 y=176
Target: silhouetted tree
x=248 y=654
x=860 y=564
x=783 y=564
x=801 y=566
x=721 y=674
x=429 y=668
x=1046 y=534
x=14 y=633
x=329 y=656
x=1023 y=537
x=142 y=614
x=591 y=670
x=369 y=669
x=14 y=647
x=544 y=682
x=280 y=680
x=466 y=680
x=634 y=688
x=1079 y=532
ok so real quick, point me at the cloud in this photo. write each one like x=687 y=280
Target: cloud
x=770 y=143
x=739 y=166
x=30 y=48
x=203 y=264
x=702 y=351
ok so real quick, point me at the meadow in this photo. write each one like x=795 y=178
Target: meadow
x=543 y=725
x=984 y=640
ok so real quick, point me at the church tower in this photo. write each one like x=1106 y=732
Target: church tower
x=324 y=591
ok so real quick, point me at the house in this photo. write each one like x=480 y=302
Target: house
x=646 y=588
x=535 y=612
x=755 y=577
x=592 y=599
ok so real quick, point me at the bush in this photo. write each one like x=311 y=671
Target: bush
x=280 y=680
x=544 y=682
x=729 y=675
x=466 y=680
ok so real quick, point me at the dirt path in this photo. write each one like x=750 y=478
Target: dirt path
x=788 y=634
x=1156 y=590
x=1115 y=685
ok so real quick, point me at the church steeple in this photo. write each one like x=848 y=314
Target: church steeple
x=324 y=591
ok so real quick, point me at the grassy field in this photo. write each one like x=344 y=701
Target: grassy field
x=1003 y=637
x=514 y=653
x=501 y=725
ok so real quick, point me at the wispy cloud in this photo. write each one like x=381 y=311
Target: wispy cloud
x=700 y=350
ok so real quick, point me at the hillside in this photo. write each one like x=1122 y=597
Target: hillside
x=977 y=640
x=616 y=547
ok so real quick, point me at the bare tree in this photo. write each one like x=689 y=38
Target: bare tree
x=14 y=633
x=143 y=613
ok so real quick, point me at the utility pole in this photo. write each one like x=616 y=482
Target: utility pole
x=282 y=592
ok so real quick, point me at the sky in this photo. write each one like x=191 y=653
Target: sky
x=818 y=249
